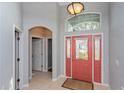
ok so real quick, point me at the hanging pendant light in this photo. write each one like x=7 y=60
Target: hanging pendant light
x=75 y=8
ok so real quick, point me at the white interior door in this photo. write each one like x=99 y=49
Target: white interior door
x=37 y=54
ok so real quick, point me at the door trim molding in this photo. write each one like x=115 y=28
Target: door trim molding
x=102 y=60
x=30 y=53
x=16 y=28
x=47 y=53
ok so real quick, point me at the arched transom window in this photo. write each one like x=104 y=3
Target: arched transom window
x=84 y=22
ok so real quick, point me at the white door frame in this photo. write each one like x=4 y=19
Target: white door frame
x=102 y=71
x=30 y=53
x=16 y=28
x=47 y=52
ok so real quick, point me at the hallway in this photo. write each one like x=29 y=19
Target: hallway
x=42 y=81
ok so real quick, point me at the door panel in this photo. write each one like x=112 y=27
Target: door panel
x=97 y=58
x=37 y=54
x=68 y=56
x=82 y=57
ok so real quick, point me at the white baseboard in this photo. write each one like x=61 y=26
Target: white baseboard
x=68 y=77
x=25 y=86
x=63 y=76
x=45 y=70
x=107 y=85
x=102 y=84
x=54 y=79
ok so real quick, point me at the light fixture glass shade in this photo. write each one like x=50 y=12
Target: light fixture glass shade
x=75 y=8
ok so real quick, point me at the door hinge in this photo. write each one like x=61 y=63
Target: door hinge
x=18 y=59
x=18 y=38
x=18 y=80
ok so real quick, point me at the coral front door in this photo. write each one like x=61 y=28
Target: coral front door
x=82 y=57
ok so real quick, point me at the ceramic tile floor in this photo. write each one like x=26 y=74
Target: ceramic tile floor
x=43 y=81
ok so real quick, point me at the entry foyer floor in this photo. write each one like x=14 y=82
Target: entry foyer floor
x=43 y=81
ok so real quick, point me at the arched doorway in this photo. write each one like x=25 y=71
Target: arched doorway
x=40 y=50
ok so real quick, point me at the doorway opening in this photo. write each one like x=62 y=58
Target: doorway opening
x=40 y=53
x=49 y=45
x=37 y=54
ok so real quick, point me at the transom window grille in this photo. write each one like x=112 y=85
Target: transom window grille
x=84 y=22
